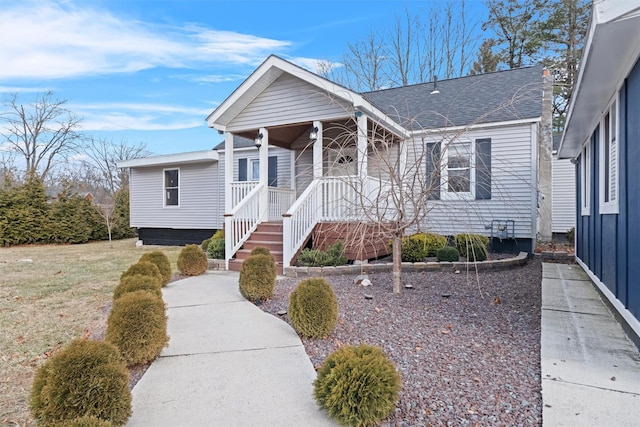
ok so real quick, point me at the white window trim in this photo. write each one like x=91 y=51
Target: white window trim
x=250 y=164
x=444 y=173
x=164 y=188
x=612 y=206
x=585 y=179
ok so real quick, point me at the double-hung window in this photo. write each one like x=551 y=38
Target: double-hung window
x=608 y=165
x=171 y=187
x=458 y=174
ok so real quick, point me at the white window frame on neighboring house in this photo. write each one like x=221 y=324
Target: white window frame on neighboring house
x=168 y=187
x=585 y=179
x=445 y=193
x=608 y=187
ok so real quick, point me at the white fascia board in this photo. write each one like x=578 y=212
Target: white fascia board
x=203 y=156
x=614 y=33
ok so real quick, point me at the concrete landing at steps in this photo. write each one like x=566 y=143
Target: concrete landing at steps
x=228 y=363
x=590 y=368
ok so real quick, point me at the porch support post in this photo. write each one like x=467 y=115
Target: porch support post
x=317 y=152
x=228 y=171
x=263 y=156
x=362 y=147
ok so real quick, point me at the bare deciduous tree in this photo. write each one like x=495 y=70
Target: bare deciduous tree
x=42 y=133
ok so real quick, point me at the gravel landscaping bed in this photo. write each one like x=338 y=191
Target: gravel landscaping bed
x=467 y=345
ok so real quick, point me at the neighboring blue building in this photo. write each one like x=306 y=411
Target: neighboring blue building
x=602 y=134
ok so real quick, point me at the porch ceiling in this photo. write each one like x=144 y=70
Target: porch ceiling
x=281 y=136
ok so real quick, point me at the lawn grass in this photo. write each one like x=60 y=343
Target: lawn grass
x=49 y=295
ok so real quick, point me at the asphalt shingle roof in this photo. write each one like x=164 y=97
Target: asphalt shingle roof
x=487 y=98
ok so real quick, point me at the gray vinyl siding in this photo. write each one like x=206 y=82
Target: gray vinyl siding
x=512 y=150
x=200 y=200
x=288 y=100
x=564 y=195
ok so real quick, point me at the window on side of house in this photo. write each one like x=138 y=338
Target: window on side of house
x=459 y=170
x=171 y=187
x=608 y=171
x=585 y=179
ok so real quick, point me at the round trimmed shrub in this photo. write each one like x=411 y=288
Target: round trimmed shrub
x=86 y=378
x=358 y=386
x=137 y=282
x=86 y=421
x=192 y=261
x=477 y=252
x=161 y=261
x=313 y=308
x=216 y=249
x=260 y=250
x=258 y=277
x=417 y=247
x=205 y=244
x=448 y=253
x=137 y=325
x=144 y=268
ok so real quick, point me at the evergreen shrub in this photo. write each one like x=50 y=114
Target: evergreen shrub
x=137 y=282
x=334 y=255
x=161 y=260
x=192 y=261
x=144 y=268
x=260 y=250
x=358 y=386
x=448 y=253
x=86 y=421
x=258 y=277
x=216 y=249
x=417 y=247
x=86 y=378
x=137 y=325
x=474 y=247
x=313 y=308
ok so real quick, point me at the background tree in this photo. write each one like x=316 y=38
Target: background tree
x=42 y=133
x=518 y=26
x=487 y=61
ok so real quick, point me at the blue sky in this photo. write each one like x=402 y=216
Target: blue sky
x=152 y=70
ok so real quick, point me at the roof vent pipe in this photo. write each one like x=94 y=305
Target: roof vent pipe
x=435 y=86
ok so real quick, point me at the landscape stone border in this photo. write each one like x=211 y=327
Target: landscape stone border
x=551 y=256
x=498 y=264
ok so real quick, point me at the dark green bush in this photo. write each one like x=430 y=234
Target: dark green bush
x=161 y=260
x=334 y=255
x=144 y=268
x=358 y=386
x=86 y=378
x=417 y=247
x=137 y=282
x=216 y=249
x=474 y=247
x=137 y=325
x=448 y=253
x=86 y=421
x=313 y=308
x=192 y=261
x=258 y=277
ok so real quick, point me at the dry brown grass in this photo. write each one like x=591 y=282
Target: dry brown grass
x=64 y=293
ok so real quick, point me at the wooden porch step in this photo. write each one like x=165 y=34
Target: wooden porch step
x=273 y=246
x=268 y=235
x=236 y=265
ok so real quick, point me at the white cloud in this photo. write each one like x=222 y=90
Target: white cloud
x=209 y=78
x=60 y=40
x=22 y=89
x=136 y=116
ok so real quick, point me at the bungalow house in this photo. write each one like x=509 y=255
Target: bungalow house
x=303 y=156
x=602 y=137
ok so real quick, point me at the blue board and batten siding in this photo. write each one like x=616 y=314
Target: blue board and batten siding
x=609 y=244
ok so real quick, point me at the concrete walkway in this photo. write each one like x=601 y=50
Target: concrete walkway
x=228 y=363
x=590 y=368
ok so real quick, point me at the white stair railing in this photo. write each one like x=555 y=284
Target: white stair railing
x=240 y=189
x=242 y=221
x=299 y=221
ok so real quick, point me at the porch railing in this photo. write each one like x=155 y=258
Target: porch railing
x=341 y=198
x=280 y=200
x=240 y=189
x=242 y=221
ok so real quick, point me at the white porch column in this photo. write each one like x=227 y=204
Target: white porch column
x=228 y=171
x=263 y=156
x=362 y=147
x=317 y=151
